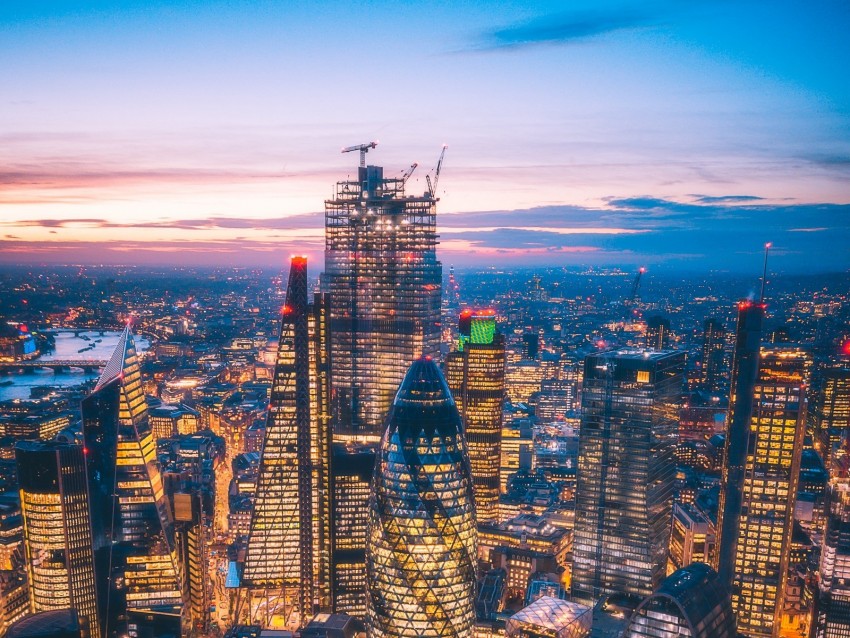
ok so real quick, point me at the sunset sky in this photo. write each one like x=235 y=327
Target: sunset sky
x=681 y=134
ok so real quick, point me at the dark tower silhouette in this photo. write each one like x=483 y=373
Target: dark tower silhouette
x=745 y=364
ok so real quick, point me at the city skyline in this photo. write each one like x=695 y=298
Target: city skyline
x=613 y=133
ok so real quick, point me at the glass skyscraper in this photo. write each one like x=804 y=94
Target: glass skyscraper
x=475 y=373
x=690 y=603
x=57 y=529
x=771 y=474
x=352 y=469
x=745 y=364
x=132 y=526
x=626 y=471
x=832 y=432
x=713 y=346
x=421 y=550
x=286 y=570
x=832 y=617
x=384 y=281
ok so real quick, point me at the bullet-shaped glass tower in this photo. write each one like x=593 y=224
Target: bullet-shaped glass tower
x=421 y=547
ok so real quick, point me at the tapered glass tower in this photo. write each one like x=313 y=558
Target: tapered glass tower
x=384 y=280
x=421 y=549
x=57 y=528
x=286 y=567
x=476 y=376
x=132 y=526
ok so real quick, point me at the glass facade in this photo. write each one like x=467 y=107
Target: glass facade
x=421 y=549
x=713 y=350
x=831 y=417
x=777 y=429
x=476 y=376
x=286 y=566
x=745 y=364
x=384 y=280
x=549 y=617
x=691 y=603
x=832 y=618
x=352 y=468
x=57 y=528
x=132 y=526
x=626 y=472
x=832 y=434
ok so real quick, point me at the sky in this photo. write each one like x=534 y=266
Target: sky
x=659 y=133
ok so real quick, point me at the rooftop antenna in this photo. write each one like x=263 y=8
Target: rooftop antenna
x=767 y=247
x=363 y=148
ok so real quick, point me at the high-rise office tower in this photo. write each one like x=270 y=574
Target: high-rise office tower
x=771 y=473
x=745 y=363
x=517 y=450
x=831 y=415
x=421 y=550
x=352 y=468
x=287 y=560
x=384 y=280
x=626 y=471
x=713 y=342
x=132 y=526
x=57 y=528
x=832 y=618
x=657 y=333
x=690 y=602
x=190 y=541
x=475 y=373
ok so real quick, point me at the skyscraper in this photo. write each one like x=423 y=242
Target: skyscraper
x=475 y=373
x=57 y=528
x=383 y=278
x=286 y=565
x=777 y=429
x=352 y=468
x=690 y=602
x=132 y=527
x=190 y=541
x=745 y=365
x=713 y=343
x=626 y=470
x=832 y=617
x=832 y=435
x=831 y=415
x=657 y=333
x=421 y=550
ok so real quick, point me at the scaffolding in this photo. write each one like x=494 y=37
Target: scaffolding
x=384 y=282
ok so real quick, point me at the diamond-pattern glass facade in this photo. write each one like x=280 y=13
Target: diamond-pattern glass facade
x=421 y=551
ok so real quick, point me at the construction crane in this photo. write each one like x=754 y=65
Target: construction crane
x=636 y=285
x=363 y=148
x=432 y=188
x=406 y=174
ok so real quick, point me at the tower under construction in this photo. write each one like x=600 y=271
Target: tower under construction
x=383 y=280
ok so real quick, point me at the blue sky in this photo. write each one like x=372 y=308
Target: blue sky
x=143 y=116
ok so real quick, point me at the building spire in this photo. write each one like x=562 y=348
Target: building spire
x=767 y=247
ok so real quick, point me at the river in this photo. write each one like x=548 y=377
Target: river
x=95 y=346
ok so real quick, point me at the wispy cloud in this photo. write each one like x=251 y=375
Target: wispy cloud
x=725 y=234
x=565 y=28
x=727 y=199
